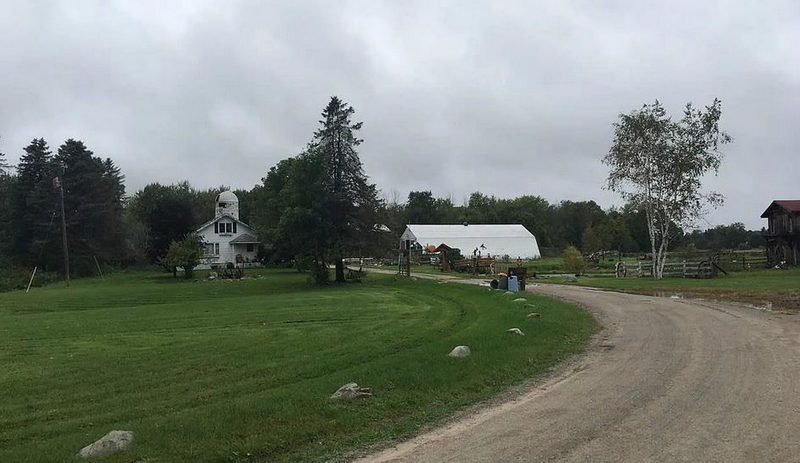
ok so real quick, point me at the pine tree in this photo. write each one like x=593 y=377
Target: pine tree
x=4 y=166
x=6 y=211
x=93 y=193
x=34 y=202
x=351 y=200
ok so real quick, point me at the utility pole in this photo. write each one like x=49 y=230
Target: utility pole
x=58 y=183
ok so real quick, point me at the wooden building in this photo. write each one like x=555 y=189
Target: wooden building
x=783 y=232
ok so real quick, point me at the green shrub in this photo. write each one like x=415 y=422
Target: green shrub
x=573 y=260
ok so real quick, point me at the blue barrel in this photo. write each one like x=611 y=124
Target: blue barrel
x=513 y=283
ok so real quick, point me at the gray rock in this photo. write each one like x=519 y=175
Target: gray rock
x=351 y=391
x=520 y=299
x=534 y=315
x=515 y=332
x=460 y=352
x=111 y=443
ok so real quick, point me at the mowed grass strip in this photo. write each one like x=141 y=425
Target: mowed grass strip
x=779 y=287
x=219 y=371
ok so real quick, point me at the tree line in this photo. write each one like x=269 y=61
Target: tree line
x=314 y=209
x=30 y=207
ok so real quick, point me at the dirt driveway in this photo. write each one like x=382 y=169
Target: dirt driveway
x=667 y=380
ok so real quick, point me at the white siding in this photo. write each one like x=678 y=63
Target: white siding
x=227 y=251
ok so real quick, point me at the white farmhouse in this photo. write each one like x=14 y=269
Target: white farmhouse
x=226 y=238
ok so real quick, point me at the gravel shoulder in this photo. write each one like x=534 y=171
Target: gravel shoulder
x=666 y=380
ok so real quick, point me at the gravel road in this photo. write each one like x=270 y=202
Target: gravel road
x=666 y=380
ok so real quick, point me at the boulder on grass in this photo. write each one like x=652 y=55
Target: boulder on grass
x=351 y=391
x=111 y=443
x=534 y=315
x=460 y=352
x=520 y=299
x=515 y=332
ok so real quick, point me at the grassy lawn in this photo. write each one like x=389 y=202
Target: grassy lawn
x=221 y=371
x=779 y=287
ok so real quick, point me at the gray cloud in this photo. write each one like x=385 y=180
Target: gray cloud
x=504 y=97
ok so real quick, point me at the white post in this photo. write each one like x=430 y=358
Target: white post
x=31 y=281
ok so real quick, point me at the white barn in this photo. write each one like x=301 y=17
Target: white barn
x=226 y=238
x=495 y=240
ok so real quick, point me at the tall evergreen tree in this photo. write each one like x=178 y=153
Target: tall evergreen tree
x=4 y=166
x=93 y=193
x=34 y=202
x=351 y=200
x=7 y=182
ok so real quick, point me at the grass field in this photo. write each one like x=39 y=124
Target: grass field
x=221 y=371
x=779 y=287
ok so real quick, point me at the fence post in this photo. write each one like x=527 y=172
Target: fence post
x=684 y=268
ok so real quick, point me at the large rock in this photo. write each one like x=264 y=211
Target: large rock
x=460 y=352
x=111 y=443
x=351 y=391
x=515 y=332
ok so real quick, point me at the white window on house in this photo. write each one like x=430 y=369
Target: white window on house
x=216 y=249
x=224 y=227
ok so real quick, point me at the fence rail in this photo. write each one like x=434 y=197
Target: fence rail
x=685 y=269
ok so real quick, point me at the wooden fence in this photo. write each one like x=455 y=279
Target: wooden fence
x=685 y=269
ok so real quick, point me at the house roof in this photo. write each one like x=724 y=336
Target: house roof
x=219 y=217
x=245 y=238
x=789 y=205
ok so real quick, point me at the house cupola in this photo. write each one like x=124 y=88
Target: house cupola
x=226 y=203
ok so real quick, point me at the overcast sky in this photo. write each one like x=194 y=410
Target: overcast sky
x=504 y=97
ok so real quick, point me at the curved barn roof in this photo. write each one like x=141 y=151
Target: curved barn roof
x=497 y=239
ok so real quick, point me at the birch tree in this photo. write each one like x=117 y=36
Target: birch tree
x=658 y=165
